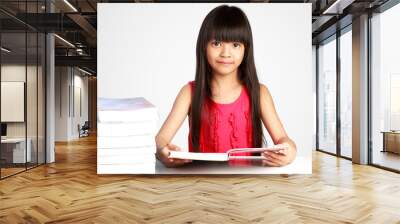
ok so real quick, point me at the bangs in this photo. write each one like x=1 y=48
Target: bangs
x=229 y=34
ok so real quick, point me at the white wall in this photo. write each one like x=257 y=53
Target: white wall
x=154 y=45
x=80 y=83
x=61 y=103
x=68 y=81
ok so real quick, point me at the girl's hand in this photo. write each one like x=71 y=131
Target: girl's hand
x=279 y=158
x=162 y=155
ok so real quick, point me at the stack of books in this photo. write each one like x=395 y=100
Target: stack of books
x=126 y=132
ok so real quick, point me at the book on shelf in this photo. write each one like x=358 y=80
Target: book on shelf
x=123 y=159
x=125 y=110
x=145 y=168
x=126 y=141
x=126 y=128
x=129 y=151
x=225 y=156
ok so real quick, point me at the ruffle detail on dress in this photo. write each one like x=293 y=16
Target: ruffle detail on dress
x=234 y=137
x=249 y=129
x=215 y=136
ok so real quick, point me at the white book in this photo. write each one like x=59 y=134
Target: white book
x=123 y=159
x=126 y=141
x=127 y=169
x=125 y=110
x=138 y=151
x=126 y=128
x=229 y=155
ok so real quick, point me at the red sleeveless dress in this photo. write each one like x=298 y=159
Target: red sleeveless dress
x=225 y=126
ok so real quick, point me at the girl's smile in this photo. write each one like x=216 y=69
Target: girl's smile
x=225 y=62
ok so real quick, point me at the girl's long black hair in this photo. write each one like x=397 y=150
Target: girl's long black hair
x=225 y=23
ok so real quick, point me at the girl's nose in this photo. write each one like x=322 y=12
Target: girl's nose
x=225 y=50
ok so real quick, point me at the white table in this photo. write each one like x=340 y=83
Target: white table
x=301 y=165
x=19 y=155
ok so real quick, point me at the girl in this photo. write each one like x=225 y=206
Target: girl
x=226 y=105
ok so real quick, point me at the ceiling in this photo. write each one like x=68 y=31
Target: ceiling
x=76 y=22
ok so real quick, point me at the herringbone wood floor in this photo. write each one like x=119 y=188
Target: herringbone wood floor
x=70 y=191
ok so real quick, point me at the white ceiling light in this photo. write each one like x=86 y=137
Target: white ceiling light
x=5 y=50
x=70 y=5
x=65 y=41
x=79 y=51
x=338 y=6
x=86 y=72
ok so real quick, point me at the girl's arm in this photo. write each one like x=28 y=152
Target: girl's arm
x=171 y=125
x=276 y=130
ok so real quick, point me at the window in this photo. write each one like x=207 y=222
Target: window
x=346 y=93
x=327 y=96
x=385 y=88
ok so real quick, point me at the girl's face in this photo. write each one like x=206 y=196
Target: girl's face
x=224 y=57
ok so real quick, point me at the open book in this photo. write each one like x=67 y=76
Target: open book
x=229 y=155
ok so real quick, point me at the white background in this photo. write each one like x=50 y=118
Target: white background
x=149 y=50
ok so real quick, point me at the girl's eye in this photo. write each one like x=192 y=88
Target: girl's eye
x=216 y=43
x=236 y=45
